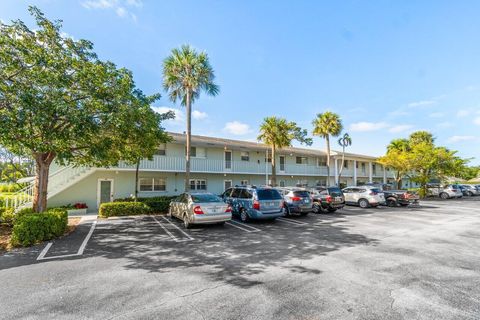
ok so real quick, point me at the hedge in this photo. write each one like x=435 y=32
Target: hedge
x=156 y=204
x=112 y=209
x=30 y=228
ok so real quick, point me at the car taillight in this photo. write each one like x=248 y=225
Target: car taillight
x=197 y=210
x=406 y=195
x=256 y=205
x=296 y=198
x=328 y=198
x=229 y=209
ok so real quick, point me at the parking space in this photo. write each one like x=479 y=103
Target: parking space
x=376 y=263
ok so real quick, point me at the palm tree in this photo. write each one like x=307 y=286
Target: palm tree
x=325 y=125
x=185 y=74
x=344 y=141
x=278 y=133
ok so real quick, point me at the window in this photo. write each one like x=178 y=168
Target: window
x=205 y=198
x=321 y=162
x=282 y=183
x=198 y=184
x=269 y=158
x=345 y=164
x=197 y=152
x=363 y=167
x=236 y=193
x=245 y=194
x=322 y=182
x=374 y=169
x=245 y=156
x=244 y=182
x=302 y=160
x=227 y=184
x=152 y=184
x=161 y=151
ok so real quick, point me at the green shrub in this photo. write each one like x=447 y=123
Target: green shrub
x=156 y=204
x=30 y=228
x=112 y=209
x=7 y=215
x=11 y=187
x=24 y=211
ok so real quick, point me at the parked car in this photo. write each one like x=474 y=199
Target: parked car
x=364 y=196
x=327 y=199
x=394 y=198
x=200 y=208
x=446 y=192
x=469 y=190
x=296 y=200
x=254 y=203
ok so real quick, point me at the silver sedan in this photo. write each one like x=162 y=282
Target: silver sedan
x=200 y=208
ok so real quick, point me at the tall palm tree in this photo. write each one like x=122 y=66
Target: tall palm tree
x=186 y=73
x=278 y=133
x=344 y=141
x=325 y=125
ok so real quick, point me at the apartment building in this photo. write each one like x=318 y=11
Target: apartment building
x=216 y=164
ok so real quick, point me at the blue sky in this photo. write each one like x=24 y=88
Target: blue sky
x=387 y=67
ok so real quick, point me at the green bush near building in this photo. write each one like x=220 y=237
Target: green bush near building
x=114 y=209
x=30 y=228
x=7 y=216
x=156 y=204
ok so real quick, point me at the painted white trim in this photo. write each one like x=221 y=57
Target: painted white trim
x=111 y=189
x=231 y=184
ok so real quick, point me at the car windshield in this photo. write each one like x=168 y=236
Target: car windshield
x=268 y=194
x=202 y=198
x=376 y=190
x=335 y=192
x=303 y=194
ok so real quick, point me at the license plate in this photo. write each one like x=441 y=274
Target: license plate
x=338 y=199
x=306 y=201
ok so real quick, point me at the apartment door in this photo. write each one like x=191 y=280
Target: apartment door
x=227 y=184
x=282 y=163
x=104 y=191
x=228 y=160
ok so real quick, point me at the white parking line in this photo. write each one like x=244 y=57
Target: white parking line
x=243 y=225
x=165 y=229
x=186 y=234
x=241 y=228
x=80 y=251
x=295 y=222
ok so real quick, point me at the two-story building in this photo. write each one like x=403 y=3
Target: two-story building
x=216 y=164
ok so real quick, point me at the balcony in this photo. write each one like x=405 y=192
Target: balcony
x=202 y=165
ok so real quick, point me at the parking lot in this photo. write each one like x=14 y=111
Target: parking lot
x=377 y=263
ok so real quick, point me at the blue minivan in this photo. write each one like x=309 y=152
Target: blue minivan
x=254 y=203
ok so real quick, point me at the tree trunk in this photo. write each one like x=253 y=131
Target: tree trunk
x=40 y=190
x=136 y=179
x=327 y=139
x=274 y=170
x=189 y=137
x=341 y=166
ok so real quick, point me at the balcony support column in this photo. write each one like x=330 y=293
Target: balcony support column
x=370 y=172
x=354 y=172
x=335 y=170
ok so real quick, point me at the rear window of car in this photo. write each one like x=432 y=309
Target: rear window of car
x=268 y=194
x=334 y=192
x=376 y=190
x=303 y=194
x=202 y=198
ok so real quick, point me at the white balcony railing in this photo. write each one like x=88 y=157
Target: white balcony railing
x=177 y=164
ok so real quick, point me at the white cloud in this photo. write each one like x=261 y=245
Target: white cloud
x=400 y=128
x=399 y=112
x=179 y=114
x=436 y=115
x=121 y=7
x=454 y=139
x=446 y=124
x=477 y=121
x=368 y=126
x=199 y=115
x=463 y=113
x=237 y=128
x=422 y=103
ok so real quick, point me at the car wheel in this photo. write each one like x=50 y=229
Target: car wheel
x=316 y=208
x=303 y=214
x=244 y=215
x=391 y=203
x=186 y=221
x=170 y=214
x=363 y=203
x=470 y=194
x=444 y=195
x=331 y=210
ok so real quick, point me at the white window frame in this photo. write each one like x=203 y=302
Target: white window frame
x=280 y=163
x=321 y=163
x=231 y=184
x=161 y=147
x=197 y=183
x=302 y=158
x=152 y=184
x=243 y=157
x=244 y=182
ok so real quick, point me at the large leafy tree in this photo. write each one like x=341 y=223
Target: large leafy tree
x=344 y=141
x=325 y=125
x=186 y=73
x=279 y=133
x=58 y=101
x=397 y=159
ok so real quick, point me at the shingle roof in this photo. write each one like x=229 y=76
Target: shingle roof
x=199 y=140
